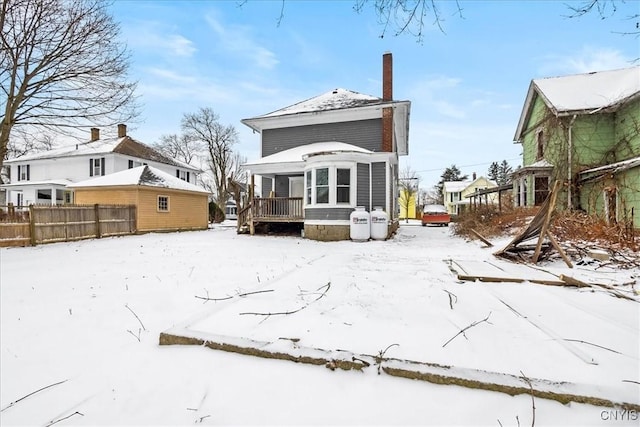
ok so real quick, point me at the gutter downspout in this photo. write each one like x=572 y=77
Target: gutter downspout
x=570 y=168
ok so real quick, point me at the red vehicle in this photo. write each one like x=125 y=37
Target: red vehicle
x=435 y=214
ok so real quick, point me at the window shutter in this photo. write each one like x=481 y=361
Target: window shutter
x=102 y=166
x=130 y=164
x=90 y=167
x=28 y=172
x=177 y=173
x=18 y=173
x=188 y=177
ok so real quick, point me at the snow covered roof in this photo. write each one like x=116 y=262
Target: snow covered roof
x=338 y=105
x=123 y=145
x=145 y=175
x=293 y=159
x=540 y=164
x=49 y=182
x=459 y=186
x=582 y=93
x=332 y=100
x=455 y=186
x=611 y=168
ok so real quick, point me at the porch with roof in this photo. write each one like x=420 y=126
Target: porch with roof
x=285 y=172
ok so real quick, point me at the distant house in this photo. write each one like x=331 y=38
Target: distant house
x=44 y=178
x=456 y=194
x=583 y=130
x=324 y=156
x=163 y=202
x=407 y=203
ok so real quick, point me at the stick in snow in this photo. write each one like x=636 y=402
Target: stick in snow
x=461 y=331
x=132 y=312
x=232 y=296
x=64 y=418
x=533 y=402
x=31 y=394
x=277 y=313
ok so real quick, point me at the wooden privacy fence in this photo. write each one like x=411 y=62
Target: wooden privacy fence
x=61 y=223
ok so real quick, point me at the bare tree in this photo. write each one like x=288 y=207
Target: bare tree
x=62 y=67
x=218 y=140
x=409 y=184
x=182 y=147
x=407 y=16
x=607 y=9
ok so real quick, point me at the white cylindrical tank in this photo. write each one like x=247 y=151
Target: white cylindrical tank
x=379 y=224
x=359 y=229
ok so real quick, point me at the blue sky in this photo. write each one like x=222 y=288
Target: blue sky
x=467 y=85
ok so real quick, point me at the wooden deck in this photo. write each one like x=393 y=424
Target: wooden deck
x=270 y=209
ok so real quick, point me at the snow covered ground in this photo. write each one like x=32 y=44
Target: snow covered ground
x=88 y=315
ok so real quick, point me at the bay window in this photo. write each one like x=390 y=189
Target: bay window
x=329 y=185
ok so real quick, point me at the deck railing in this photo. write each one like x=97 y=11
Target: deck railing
x=277 y=209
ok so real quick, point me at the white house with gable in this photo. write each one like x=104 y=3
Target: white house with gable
x=44 y=178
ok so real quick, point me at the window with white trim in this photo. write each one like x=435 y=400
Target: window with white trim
x=163 y=203
x=135 y=164
x=343 y=185
x=183 y=175
x=96 y=167
x=322 y=186
x=330 y=186
x=24 y=172
x=308 y=187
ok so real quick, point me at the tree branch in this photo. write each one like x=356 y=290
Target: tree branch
x=462 y=331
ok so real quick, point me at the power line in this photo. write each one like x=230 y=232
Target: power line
x=463 y=166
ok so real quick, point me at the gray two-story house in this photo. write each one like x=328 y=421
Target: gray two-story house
x=326 y=155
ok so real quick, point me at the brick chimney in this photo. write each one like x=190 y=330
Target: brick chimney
x=387 y=95
x=95 y=134
x=122 y=130
x=474 y=176
x=387 y=77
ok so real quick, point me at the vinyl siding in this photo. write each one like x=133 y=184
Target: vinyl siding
x=363 y=188
x=378 y=185
x=187 y=211
x=327 y=214
x=362 y=133
x=266 y=186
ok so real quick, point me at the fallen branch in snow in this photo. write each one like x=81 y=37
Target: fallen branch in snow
x=533 y=402
x=590 y=343
x=244 y=294
x=132 y=312
x=134 y=335
x=451 y=302
x=64 y=418
x=31 y=394
x=462 y=331
x=281 y=313
x=381 y=355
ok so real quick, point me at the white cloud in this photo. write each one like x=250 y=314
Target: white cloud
x=237 y=39
x=173 y=76
x=149 y=35
x=180 y=46
x=586 y=60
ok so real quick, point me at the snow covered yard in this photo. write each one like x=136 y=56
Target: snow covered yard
x=90 y=314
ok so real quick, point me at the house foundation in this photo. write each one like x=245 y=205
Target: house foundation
x=326 y=233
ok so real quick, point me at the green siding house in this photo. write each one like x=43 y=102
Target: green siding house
x=583 y=130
